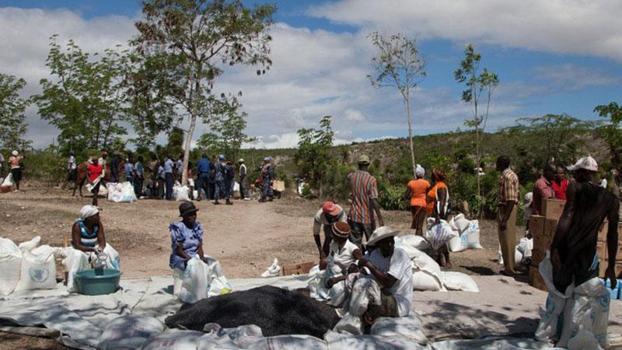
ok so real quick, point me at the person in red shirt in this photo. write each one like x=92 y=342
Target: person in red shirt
x=560 y=184
x=542 y=189
x=94 y=174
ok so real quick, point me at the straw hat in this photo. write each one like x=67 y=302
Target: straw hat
x=381 y=233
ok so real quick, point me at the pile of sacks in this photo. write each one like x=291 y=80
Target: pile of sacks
x=30 y=266
x=122 y=192
x=427 y=274
x=467 y=234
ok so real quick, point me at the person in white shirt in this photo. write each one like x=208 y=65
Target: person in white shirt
x=325 y=217
x=342 y=255
x=388 y=286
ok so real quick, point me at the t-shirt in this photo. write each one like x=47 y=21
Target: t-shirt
x=560 y=189
x=431 y=196
x=364 y=188
x=399 y=266
x=418 y=189
x=190 y=239
x=541 y=190
x=129 y=169
x=14 y=162
x=168 y=166
x=94 y=171
x=321 y=219
x=340 y=259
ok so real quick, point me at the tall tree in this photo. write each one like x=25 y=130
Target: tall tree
x=477 y=83
x=193 y=40
x=398 y=64
x=611 y=130
x=313 y=156
x=227 y=127
x=12 y=118
x=86 y=99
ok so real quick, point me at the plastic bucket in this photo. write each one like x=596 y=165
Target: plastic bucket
x=91 y=284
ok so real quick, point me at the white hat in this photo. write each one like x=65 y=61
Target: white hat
x=587 y=163
x=528 y=199
x=381 y=233
x=419 y=170
x=15 y=153
x=241 y=160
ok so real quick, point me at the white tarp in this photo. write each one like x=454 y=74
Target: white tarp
x=10 y=265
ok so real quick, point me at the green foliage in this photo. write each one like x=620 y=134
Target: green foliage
x=610 y=131
x=46 y=165
x=12 y=107
x=85 y=99
x=314 y=158
x=391 y=197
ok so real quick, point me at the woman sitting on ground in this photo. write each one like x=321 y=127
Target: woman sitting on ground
x=186 y=237
x=342 y=255
x=438 y=203
x=87 y=233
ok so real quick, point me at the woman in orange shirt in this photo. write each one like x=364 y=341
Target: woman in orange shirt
x=437 y=204
x=416 y=193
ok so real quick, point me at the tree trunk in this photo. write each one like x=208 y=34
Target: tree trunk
x=187 y=145
x=410 y=132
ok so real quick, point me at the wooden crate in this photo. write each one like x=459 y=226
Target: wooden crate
x=298 y=269
x=536 y=224
x=535 y=279
x=553 y=208
x=537 y=255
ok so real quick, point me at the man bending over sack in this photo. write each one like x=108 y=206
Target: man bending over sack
x=329 y=214
x=385 y=288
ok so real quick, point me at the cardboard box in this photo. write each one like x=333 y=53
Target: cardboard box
x=537 y=255
x=535 y=279
x=542 y=241
x=553 y=208
x=298 y=269
x=536 y=224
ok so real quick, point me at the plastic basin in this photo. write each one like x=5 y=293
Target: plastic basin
x=91 y=284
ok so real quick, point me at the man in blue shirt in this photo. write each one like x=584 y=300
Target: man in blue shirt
x=203 y=171
x=139 y=176
x=129 y=170
x=219 y=179
x=168 y=175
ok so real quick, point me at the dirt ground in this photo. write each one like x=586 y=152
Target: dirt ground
x=245 y=237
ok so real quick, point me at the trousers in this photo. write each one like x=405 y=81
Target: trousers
x=507 y=237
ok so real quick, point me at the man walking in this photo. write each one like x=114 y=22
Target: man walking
x=168 y=175
x=506 y=218
x=364 y=195
x=243 y=180
x=204 y=167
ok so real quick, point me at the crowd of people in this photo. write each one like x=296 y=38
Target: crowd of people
x=209 y=180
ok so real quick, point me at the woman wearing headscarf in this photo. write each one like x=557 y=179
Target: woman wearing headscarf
x=186 y=237
x=437 y=205
x=416 y=194
x=15 y=163
x=87 y=233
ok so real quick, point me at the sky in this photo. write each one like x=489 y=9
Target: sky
x=553 y=56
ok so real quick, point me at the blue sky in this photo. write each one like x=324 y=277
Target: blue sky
x=551 y=57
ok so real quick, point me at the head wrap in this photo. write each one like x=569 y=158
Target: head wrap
x=87 y=211
x=15 y=153
x=419 y=171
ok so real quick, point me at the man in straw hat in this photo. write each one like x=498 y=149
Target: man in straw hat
x=329 y=214
x=386 y=287
x=573 y=251
x=364 y=195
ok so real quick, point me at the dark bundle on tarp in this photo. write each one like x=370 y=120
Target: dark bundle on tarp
x=275 y=310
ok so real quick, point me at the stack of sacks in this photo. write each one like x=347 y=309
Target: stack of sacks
x=121 y=192
x=27 y=266
x=439 y=234
x=467 y=234
x=427 y=274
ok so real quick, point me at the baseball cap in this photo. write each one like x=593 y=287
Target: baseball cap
x=587 y=163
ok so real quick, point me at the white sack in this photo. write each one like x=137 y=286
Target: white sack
x=438 y=234
x=8 y=181
x=30 y=245
x=10 y=266
x=468 y=238
x=218 y=338
x=409 y=242
x=422 y=261
x=290 y=342
x=525 y=246
x=174 y=339
x=454 y=280
x=181 y=193
x=426 y=281
x=122 y=193
x=459 y=222
x=369 y=342
x=409 y=327
x=38 y=270
x=199 y=280
x=74 y=262
x=129 y=332
x=273 y=270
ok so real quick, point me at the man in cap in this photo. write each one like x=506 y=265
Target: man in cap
x=573 y=251
x=243 y=180
x=267 y=175
x=386 y=287
x=364 y=195
x=329 y=214
x=506 y=219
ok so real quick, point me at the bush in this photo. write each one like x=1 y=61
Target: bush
x=391 y=197
x=47 y=166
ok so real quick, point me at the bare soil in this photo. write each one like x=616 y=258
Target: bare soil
x=245 y=237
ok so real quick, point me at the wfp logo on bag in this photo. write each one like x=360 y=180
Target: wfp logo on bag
x=38 y=274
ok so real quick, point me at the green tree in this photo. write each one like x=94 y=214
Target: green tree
x=314 y=157
x=611 y=130
x=86 y=99
x=476 y=84
x=12 y=107
x=398 y=64
x=227 y=127
x=193 y=41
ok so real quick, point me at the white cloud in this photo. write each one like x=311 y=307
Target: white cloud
x=564 y=26
x=573 y=77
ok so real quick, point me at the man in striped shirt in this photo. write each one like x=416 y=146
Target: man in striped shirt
x=364 y=195
x=506 y=219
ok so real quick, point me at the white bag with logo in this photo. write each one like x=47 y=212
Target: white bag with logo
x=38 y=270
x=10 y=265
